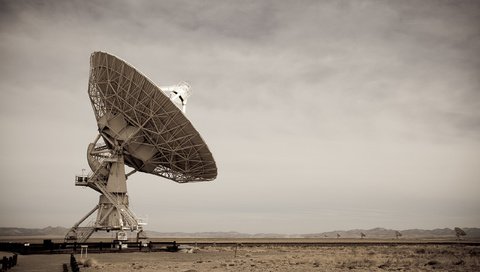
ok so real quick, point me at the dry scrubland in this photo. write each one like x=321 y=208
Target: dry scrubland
x=281 y=258
x=407 y=256
x=275 y=258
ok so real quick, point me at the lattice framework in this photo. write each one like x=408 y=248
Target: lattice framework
x=179 y=152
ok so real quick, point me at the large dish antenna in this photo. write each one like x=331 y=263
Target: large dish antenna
x=144 y=127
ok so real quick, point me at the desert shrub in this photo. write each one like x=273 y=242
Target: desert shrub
x=433 y=262
x=474 y=252
x=357 y=263
x=446 y=252
x=420 y=251
x=385 y=265
x=90 y=263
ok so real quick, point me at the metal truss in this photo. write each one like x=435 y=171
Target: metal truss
x=161 y=140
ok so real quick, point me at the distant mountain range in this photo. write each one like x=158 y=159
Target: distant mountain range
x=389 y=233
x=355 y=233
x=48 y=231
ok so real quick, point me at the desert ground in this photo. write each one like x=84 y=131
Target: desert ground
x=407 y=256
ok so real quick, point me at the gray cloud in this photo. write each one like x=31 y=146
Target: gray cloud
x=309 y=108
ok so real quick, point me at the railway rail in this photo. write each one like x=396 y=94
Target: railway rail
x=49 y=247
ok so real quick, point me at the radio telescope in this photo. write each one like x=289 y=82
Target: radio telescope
x=141 y=126
x=459 y=232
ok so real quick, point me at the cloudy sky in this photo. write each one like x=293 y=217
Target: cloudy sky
x=321 y=115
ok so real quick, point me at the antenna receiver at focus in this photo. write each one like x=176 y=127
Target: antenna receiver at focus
x=178 y=94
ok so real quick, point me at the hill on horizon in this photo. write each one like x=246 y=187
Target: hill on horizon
x=354 y=233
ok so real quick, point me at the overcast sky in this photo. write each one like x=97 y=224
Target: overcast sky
x=321 y=115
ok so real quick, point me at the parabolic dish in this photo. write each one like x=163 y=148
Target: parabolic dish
x=154 y=134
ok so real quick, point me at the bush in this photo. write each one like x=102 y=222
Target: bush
x=90 y=263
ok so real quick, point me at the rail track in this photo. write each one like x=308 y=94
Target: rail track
x=49 y=247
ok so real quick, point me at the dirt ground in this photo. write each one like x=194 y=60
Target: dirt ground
x=274 y=258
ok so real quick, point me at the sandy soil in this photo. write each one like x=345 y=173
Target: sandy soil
x=275 y=258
